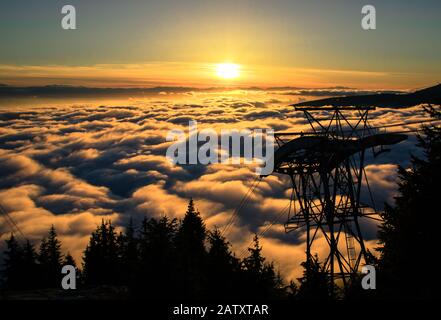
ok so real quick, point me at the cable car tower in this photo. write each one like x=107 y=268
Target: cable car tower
x=326 y=168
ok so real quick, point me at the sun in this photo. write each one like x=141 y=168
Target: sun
x=227 y=70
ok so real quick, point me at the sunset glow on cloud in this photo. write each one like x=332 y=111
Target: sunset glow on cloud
x=81 y=165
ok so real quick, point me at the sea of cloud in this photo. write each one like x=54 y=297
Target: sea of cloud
x=74 y=165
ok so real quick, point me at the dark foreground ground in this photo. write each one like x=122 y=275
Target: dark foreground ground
x=93 y=293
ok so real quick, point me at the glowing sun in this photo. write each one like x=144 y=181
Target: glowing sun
x=227 y=70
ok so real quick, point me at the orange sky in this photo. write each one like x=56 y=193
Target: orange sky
x=204 y=75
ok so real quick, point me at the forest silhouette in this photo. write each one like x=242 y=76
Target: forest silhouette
x=170 y=259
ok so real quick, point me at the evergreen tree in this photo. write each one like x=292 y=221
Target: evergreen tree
x=315 y=283
x=254 y=263
x=12 y=264
x=30 y=270
x=262 y=281
x=408 y=234
x=50 y=259
x=69 y=260
x=192 y=233
x=157 y=277
x=292 y=290
x=167 y=261
x=222 y=268
x=190 y=243
x=101 y=263
x=128 y=254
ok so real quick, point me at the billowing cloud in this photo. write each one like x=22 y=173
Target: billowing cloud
x=73 y=166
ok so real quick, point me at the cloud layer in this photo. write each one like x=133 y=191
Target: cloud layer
x=74 y=166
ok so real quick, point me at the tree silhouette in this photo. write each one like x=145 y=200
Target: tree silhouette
x=69 y=260
x=315 y=283
x=191 y=253
x=12 y=264
x=128 y=255
x=169 y=260
x=50 y=259
x=255 y=262
x=156 y=275
x=262 y=281
x=20 y=270
x=30 y=268
x=409 y=232
x=101 y=263
x=222 y=268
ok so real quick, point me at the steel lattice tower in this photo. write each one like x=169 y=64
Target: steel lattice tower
x=326 y=169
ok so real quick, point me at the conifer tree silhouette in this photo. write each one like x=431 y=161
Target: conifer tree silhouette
x=191 y=254
x=50 y=259
x=223 y=268
x=128 y=255
x=408 y=234
x=315 y=283
x=20 y=270
x=100 y=259
x=262 y=280
x=30 y=268
x=157 y=277
x=69 y=260
x=12 y=264
x=169 y=260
